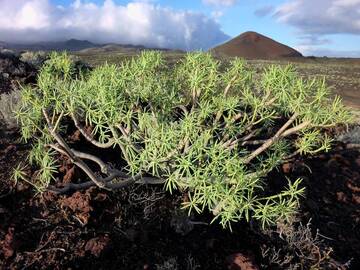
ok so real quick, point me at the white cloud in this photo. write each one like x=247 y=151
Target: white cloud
x=320 y=51
x=318 y=20
x=226 y=3
x=24 y=14
x=139 y=22
x=217 y=14
x=321 y=16
x=264 y=10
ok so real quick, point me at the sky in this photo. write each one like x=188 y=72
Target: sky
x=314 y=27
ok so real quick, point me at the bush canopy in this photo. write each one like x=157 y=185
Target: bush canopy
x=210 y=129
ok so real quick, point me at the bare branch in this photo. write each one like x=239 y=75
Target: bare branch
x=295 y=129
x=352 y=146
x=77 y=161
x=276 y=137
x=110 y=186
x=90 y=138
x=103 y=166
x=58 y=120
x=227 y=88
x=70 y=186
x=289 y=157
x=232 y=142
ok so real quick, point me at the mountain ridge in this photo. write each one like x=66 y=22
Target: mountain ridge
x=74 y=45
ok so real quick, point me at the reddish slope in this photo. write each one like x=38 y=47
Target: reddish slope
x=252 y=45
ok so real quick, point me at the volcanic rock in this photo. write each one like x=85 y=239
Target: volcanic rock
x=12 y=70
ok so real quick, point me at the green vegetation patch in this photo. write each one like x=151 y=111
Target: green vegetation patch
x=214 y=135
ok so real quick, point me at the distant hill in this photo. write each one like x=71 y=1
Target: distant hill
x=117 y=48
x=2 y=44
x=69 y=45
x=252 y=45
x=75 y=45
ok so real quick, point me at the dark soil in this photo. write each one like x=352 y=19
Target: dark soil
x=333 y=200
x=142 y=227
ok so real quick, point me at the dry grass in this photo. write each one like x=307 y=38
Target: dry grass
x=301 y=249
x=8 y=103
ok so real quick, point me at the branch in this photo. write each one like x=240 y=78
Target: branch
x=295 y=129
x=125 y=134
x=280 y=133
x=103 y=166
x=90 y=138
x=352 y=145
x=113 y=174
x=233 y=119
x=229 y=85
x=289 y=157
x=231 y=143
x=70 y=186
x=125 y=182
x=66 y=150
x=183 y=108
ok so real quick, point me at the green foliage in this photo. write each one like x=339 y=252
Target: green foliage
x=198 y=128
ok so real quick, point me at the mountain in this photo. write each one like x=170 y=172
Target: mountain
x=2 y=44
x=252 y=45
x=113 y=48
x=76 y=45
x=69 y=45
x=82 y=46
x=126 y=48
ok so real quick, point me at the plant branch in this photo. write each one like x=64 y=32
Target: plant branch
x=227 y=88
x=90 y=138
x=124 y=183
x=77 y=161
x=280 y=133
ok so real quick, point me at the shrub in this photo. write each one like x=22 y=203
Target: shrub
x=298 y=247
x=35 y=59
x=352 y=136
x=215 y=135
x=8 y=104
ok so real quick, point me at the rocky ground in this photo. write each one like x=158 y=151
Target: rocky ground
x=13 y=71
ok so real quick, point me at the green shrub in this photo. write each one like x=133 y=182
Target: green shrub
x=215 y=135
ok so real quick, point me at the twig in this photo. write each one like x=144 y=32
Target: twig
x=352 y=145
x=125 y=182
x=288 y=157
x=231 y=143
x=90 y=138
x=66 y=150
x=103 y=166
x=229 y=85
x=280 y=133
x=295 y=129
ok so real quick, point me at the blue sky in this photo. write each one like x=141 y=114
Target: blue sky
x=314 y=27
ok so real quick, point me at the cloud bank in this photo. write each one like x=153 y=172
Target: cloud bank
x=321 y=17
x=264 y=11
x=139 y=22
x=225 y=3
x=315 y=21
x=320 y=52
